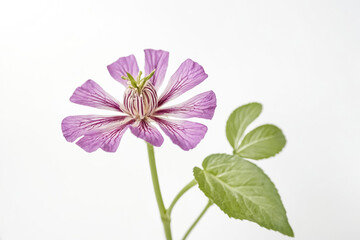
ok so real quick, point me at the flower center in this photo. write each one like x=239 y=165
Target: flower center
x=140 y=98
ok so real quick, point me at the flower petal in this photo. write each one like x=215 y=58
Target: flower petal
x=188 y=75
x=99 y=131
x=146 y=131
x=107 y=138
x=122 y=66
x=156 y=59
x=74 y=127
x=186 y=134
x=91 y=94
x=201 y=106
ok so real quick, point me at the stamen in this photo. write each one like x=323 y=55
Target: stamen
x=139 y=83
x=145 y=79
x=132 y=80
x=139 y=77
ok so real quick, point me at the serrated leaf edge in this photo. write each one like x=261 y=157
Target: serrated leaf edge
x=291 y=234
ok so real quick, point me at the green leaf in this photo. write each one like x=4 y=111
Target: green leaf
x=243 y=191
x=262 y=142
x=239 y=120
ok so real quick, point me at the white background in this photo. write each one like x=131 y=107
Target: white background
x=299 y=58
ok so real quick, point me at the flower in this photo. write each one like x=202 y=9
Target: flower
x=142 y=106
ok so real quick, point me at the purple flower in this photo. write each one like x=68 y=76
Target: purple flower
x=142 y=106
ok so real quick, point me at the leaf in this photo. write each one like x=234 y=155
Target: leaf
x=262 y=142
x=243 y=191
x=238 y=121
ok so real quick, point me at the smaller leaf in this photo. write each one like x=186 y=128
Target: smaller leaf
x=243 y=191
x=262 y=142
x=238 y=121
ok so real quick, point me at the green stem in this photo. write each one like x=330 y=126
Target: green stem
x=197 y=219
x=178 y=196
x=165 y=218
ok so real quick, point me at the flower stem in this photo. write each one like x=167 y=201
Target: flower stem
x=197 y=219
x=178 y=196
x=165 y=218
